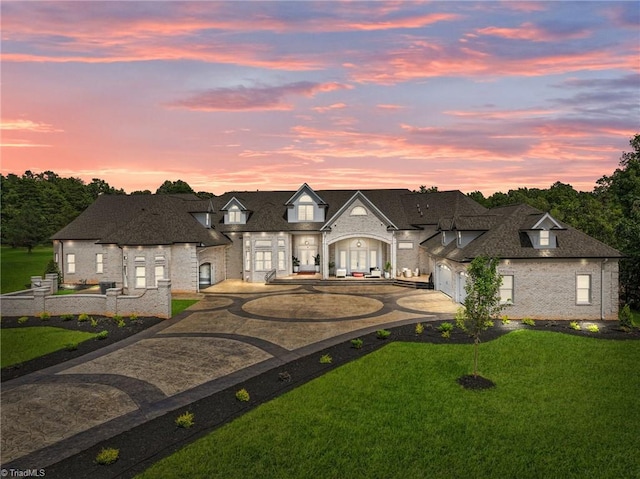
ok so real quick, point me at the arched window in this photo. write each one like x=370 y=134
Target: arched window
x=358 y=211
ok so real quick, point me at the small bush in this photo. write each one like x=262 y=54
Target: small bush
x=71 y=346
x=446 y=334
x=133 y=317
x=326 y=359
x=23 y=319
x=419 y=328
x=66 y=317
x=383 y=333
x=528 y=322
x=44 y=316
x=625 y=318
x=489 y=324
x=102 y=334
x=445 y=327
x=242 y=395
x=121 y=323
x=593 y=328
x=107 y=456
x=505 y=319
x=83 y=317
x=575 y=325
x=94 y=323
x=357 y=343
x=185 y=420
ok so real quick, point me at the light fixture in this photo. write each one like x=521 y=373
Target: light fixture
x=358 y=244
x=306 y=242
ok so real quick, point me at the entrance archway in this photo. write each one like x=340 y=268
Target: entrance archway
x=204 y=277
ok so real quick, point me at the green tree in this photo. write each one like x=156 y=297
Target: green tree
x=174 y=187
x=482 y=303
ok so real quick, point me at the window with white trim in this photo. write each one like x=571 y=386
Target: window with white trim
x=159 y=273
x=247 y=260
x=305 y=212
x=506 y=289
x=405 y=244
x=281 y=263
x=544 y=238
x=358 y=211
x=583 y=289
x=234 y=214
x=263 y=260
x=141 y=277
x=71 y=263
x=99 y=263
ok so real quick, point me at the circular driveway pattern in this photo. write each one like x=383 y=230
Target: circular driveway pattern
x=428 y=302
x=312 y=306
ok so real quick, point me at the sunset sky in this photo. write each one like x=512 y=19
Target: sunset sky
x=484 y=96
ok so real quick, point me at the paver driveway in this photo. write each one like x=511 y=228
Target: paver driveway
x=236 y=331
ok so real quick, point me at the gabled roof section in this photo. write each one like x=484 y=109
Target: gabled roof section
x=430 y=208
x=360 y=196
x=539 y=220
x=231 y=202
x=305 y=188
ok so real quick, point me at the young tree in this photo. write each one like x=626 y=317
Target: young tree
x=482 y=304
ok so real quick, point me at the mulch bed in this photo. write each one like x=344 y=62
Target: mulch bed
x=144 y=445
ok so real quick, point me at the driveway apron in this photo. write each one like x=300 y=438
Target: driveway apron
x=235 y=332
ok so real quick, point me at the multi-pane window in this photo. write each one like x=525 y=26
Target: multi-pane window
x=544 y=237
x=358 y=211
x=71 y=263
x=583 y=289
x=263 y=260
x=281 y=263
x=235 y=215
x=99 y=263
x=305 y=212
x=141 y=277
x=247 y=261
x=506 y=289
x=159 y=273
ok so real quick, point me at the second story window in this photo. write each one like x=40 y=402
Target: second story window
x=544 y=237
x=235 y=215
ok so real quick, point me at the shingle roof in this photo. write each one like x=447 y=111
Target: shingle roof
x=507 y=239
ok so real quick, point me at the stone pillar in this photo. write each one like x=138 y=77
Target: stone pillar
x=54 y=280
x=36 y=282
x=164 y=298
x=111 y=303
x=38 y=300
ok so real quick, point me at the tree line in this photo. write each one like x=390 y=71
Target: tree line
x=35 y=206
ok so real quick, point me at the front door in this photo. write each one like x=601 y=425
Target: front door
x=205 y=275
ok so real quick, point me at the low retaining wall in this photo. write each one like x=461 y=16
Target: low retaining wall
x=41 y=298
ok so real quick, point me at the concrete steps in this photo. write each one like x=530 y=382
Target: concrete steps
x=353 y=282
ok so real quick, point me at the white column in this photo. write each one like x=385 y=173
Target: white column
x=393 y=254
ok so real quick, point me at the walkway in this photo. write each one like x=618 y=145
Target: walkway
x=236 y=331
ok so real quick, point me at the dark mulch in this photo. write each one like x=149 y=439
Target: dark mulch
x=144 y=445
x=104 y=324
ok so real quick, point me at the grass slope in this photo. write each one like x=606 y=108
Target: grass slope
x=17 y=266
x=21 y=344
x=562 y=407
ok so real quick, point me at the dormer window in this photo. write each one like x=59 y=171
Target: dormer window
x=234 y=215
x=358 y=211
x=305 y=208
x=544 y=238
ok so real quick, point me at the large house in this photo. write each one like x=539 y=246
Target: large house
x=549 y=269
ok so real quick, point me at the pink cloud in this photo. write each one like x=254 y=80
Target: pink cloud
x=529 y=31
x=254 y=98
x=335 y=106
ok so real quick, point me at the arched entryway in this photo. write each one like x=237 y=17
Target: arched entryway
x=360 y=254
x=204 y=276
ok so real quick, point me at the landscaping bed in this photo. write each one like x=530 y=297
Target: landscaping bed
x=144 y=445
x=115 y=333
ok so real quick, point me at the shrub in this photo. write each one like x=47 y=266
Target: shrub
x=505 y=319
x=326 y=359
x=94 y=323
x=44 y=316
x=575 y=325
x=242 y=395
x=383 y=333
x=445 y=327
x=107 y=456
x=185 y=420
x=133 y=317
x=66 y=317
x=446 y=334
x=23 y=319
x=121 y=323
x=489 y=324
x=419 y=328
x=102 y=334
x=71 y=346
x=593 y=328
x=83 y=317
x=528 y=322
x=625 y=317
x=357 y=343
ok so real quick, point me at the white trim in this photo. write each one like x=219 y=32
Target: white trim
x=359 y=195
x=546 y=216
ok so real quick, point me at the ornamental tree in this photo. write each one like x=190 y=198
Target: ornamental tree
x=482 y=303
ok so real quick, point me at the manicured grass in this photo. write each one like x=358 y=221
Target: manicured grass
x=18 y=266
x=563 y=407
x=21 y=344
x=179 y=305
x=635 y=318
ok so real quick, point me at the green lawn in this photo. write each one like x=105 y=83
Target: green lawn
x=21 y=344
x=563 y=407
x=179 y=305
x=18 y=266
